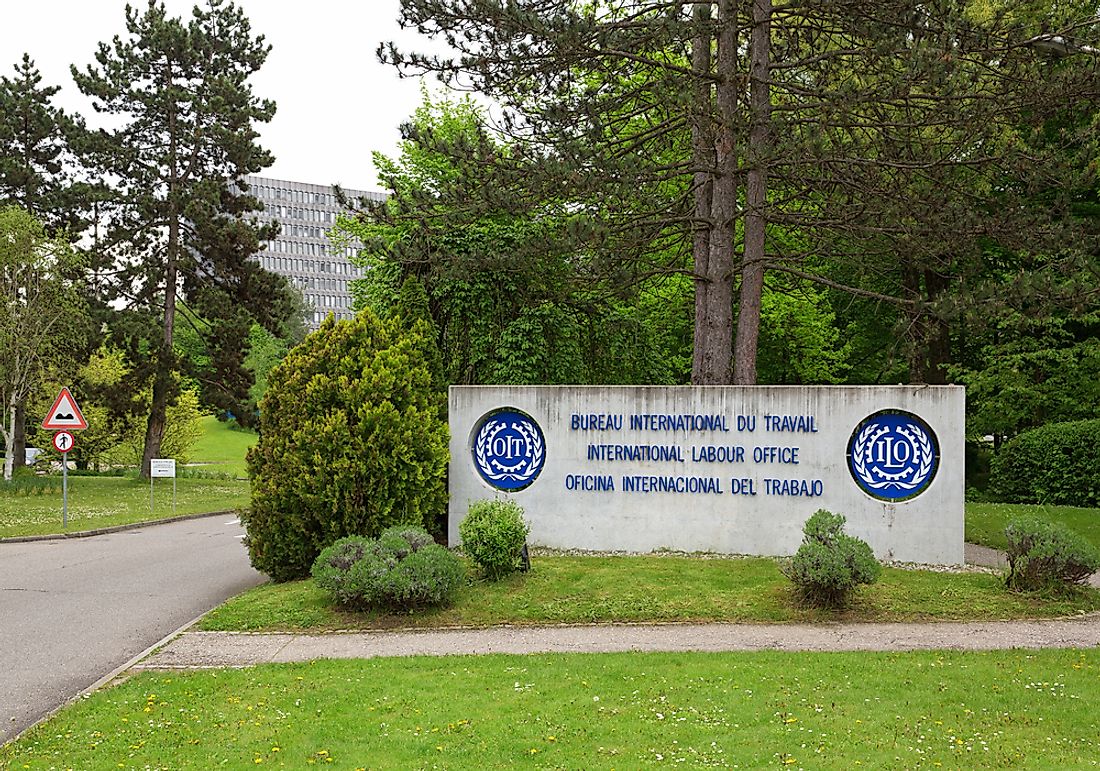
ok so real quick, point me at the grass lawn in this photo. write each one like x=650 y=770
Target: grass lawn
x=222 y=449
x=634 y=589
x=748 y=710
x=96 y=502
x=985 y=522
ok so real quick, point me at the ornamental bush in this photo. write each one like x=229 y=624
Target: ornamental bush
x=352 y=441
x=402 y=569
x=494 y=535
x=1047 y=556
x=830 y=563
x=1058 y=463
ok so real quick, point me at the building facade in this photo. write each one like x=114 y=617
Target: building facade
x=303 y=251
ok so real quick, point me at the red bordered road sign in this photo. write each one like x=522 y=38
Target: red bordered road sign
x=64 y=415
x=63 y=441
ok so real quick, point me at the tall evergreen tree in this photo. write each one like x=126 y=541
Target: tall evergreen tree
x=37 y=167
x=178 y=215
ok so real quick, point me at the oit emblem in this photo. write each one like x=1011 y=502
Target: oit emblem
x=508 y=449
x=893 y=455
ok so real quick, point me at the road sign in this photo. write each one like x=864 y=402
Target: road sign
x=162 y=468
x=64 y=414
x=63 y=441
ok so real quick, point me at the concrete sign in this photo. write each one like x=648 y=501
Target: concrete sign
x=734 y=470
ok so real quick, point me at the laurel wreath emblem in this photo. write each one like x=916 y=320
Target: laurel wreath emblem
x=496 y=471
x=877 y=479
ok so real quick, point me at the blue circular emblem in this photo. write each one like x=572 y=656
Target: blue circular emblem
x=893 y=455
x=509 y=449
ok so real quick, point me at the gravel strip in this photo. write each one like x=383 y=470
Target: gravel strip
x=196 y=650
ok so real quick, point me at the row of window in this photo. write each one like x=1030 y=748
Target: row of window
x=272 y=193
x=329 y=301
x=310 y=282
x=297 y=265
x=302 y=231
x=297 y=213
x=309 y=250
x=319 y=316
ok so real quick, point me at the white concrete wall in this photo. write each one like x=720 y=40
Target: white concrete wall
x=927 y=528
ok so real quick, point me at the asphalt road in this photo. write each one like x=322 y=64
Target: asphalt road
x=74 y=610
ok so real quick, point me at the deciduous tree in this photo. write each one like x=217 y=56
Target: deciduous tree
x=42 y=315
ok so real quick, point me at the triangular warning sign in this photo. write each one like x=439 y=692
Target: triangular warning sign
x=64 y=414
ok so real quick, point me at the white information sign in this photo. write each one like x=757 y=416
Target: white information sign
x=162 y=468
x=734 y=470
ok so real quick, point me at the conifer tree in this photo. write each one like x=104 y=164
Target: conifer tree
x=859 y=130
x=177 y=218
x=37 y=166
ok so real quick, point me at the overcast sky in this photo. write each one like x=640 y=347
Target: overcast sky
x=336 y=103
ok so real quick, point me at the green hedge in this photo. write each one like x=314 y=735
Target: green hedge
x=1058 y=463
x=351 y=442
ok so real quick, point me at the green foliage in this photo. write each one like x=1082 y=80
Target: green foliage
x=1058 y=463
x=1047 y=556
x=508 y=298
x=493 y=535
x=799 y=340
x=25 y=483
x=1034 y=371
x=830 y=563
x=351 y=442
x=182 y=429
x=43 y=315
x=403 y=569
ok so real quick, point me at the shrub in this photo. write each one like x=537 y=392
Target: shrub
x=830 y=563
x=1058 y=463
x=1046 y=556
x=493 y=535
x=403 y=569
x=352 y=441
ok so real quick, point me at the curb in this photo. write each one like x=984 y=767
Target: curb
x=114 y=528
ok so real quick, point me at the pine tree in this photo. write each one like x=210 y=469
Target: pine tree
x=178 y=214
x=37 y=166
x=841 y=126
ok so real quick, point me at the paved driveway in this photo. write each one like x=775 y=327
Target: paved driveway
x=74 y=610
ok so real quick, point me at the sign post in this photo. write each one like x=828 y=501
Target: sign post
x=63 y=442
x=64 y=416
x=162 y=468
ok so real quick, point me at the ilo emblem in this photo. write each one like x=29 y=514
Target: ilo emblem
x=893 y=455
x=509 y=449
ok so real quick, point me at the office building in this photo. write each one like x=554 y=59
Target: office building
x=303 y=251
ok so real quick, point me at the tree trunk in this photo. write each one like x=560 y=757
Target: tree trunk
x=717 y=333
x=756 y=196
x=162 y=381
x=938 y=332
x=9 y=442
x=702 y=148
x=19 y=443
x=914 y=332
